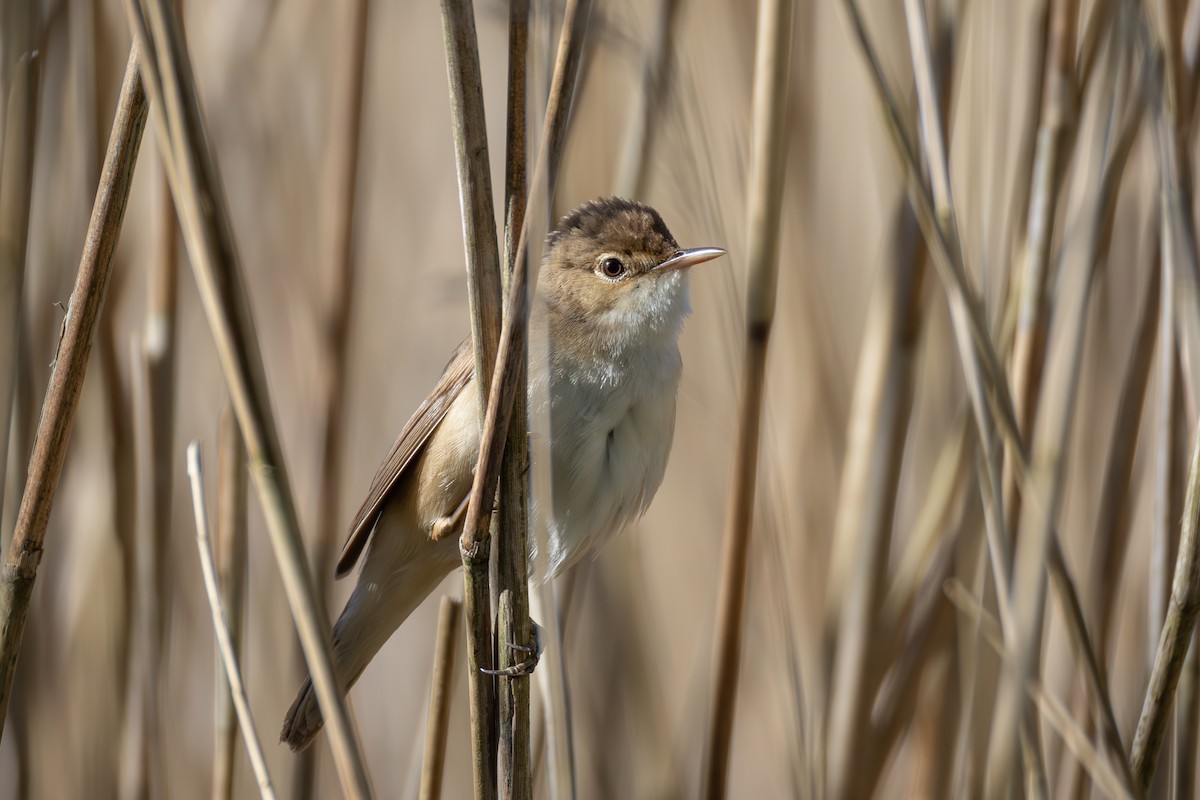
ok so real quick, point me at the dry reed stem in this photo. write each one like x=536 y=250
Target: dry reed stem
x=1053 y=711
x=474 y=188
x=632 y=174
x=1116 y=496
x=337 y=270
x=879 y=423
x=1050 y=161
x=509 y=378
x=196 y=187
x=983 y=378
x=1174 y=638
x=1050 y=442
x=564 y=80
x=440 y=694
x=965 y=312
x=231 y=547
x=483 y=289
x=147 y=560
x=1179 y=248
x=66 y=377
x=514 y=762
x=764 y=203
x=1187 y=723
x=16 y=191
x=225 y=639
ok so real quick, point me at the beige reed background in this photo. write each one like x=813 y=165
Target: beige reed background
x=640 y=628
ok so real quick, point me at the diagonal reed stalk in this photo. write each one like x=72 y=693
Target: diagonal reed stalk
x=764 y=202
x=438 y=724
x=231 y=547
x=226 y=645
x=199 y=198
x=20 y=566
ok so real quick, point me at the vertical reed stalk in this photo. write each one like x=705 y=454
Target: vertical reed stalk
x=514 y=762
x=764 y=203
x=19 y=571
x=483 y=284
x=199 y=198
x=440 y=695
x=16 y=191
x=231 y=547
x=338 y=270
x=657 y=62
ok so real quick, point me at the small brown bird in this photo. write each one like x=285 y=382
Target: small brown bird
x=615 y=287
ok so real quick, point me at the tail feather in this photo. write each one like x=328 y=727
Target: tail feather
x=370 y=617
x=303 y=720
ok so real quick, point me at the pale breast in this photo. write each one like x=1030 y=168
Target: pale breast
x=611 y=436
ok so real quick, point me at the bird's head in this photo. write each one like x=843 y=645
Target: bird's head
x=614 y=274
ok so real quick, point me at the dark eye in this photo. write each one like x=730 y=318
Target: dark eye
x=612 y=268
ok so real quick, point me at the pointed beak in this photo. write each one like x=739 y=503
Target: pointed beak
x=689 y=258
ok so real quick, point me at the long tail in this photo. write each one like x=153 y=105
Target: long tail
x=372 y=614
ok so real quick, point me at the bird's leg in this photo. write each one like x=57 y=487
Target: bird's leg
x=533 y=653
x=444 y=526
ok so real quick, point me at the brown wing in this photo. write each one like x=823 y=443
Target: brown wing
x=417 y=431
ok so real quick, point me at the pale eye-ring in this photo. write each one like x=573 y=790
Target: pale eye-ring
x=612 y=267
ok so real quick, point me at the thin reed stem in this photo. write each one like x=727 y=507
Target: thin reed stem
x=199 y=198
x=514 y=760
x=764 y=204
x=231 y=548
x=438 y=723
x=16 y=192
x=225 y=639
x=19 y=572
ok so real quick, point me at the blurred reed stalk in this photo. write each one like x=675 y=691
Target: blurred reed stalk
x=226 y=642
x=985 y=383
x=880 y=417
x=565 y=84
x=199 y=198
x=484 y=292
x=1180 y=261
x=440 y=694
x=16 y=192
x=152 y=417
x=1052 y=710
x=232 y=557
x=657 y=61
x=66 y=377
x=338 y=270
x=1028 y=589
x=764 y=203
